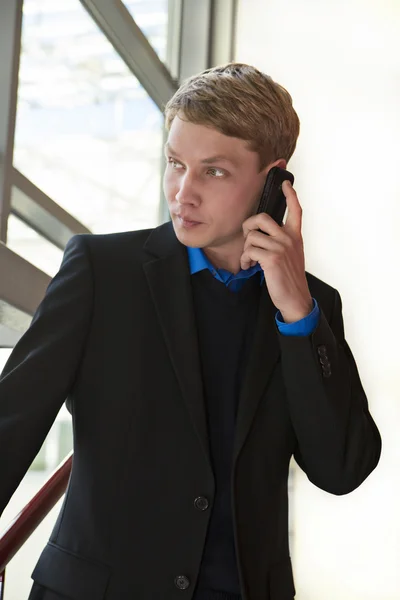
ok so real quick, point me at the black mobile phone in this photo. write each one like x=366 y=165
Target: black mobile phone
x=273 y=201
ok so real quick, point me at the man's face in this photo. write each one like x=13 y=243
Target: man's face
x=212 y=185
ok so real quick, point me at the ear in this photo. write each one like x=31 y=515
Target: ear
x=280 y=162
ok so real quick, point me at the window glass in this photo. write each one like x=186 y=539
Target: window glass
x=152 y=18
x=87 y=133
x=33 y=247
x=4 y=356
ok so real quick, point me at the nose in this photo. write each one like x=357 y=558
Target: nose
x=186 y=193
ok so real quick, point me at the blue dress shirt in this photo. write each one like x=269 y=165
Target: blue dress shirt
x=198 y=261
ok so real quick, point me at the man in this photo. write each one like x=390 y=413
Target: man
x=197 y=358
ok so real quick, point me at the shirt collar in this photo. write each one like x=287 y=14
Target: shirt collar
x=198 y=261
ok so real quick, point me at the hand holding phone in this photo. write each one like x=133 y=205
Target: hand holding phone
x=273 y=200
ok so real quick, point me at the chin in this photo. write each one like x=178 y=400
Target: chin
x=191 y=238
x=192 y=241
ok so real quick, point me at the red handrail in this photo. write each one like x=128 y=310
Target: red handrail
x=2 y=582
x=28 y=519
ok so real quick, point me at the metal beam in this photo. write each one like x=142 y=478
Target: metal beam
x=41 y=213
x=207 y=36
x=22 y=286
x=10 y=48
x=174 y=34
x=196 y=33
x=222 y=43
x=13 y=324
x=129 y=41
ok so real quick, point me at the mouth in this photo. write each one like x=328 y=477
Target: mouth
x=187 y=223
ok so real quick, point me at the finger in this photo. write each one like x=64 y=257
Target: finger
x=295 y=211
x=257 y=239
x=245 y=261
x=255 y=254
x=252 y=254
x=262 y=222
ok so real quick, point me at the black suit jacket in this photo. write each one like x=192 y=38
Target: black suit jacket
x=116 y=335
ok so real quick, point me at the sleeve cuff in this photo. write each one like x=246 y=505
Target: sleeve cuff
x=304 y=327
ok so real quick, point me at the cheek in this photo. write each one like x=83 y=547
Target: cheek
x=169 y=186
x=228 y=210
x=238 y=203
x=249 y=200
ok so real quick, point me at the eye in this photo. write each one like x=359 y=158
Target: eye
x=215 y=172
x=174 y=163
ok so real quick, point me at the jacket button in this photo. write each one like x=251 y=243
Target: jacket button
x=324 y=360
x=322 y=351
x=182 y=582
x=201 y=503
x=326 y=370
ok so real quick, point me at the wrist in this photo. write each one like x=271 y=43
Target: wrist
x=294 y=314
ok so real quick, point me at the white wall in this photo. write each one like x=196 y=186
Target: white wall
x=340 y=60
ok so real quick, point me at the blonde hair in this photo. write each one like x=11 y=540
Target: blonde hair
x=240 y=101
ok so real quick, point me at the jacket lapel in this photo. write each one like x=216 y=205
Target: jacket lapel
x=168 y=276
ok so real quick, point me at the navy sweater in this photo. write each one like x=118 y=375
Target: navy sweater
x=225 y=323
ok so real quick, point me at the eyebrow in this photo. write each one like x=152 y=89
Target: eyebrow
x=206 y=161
